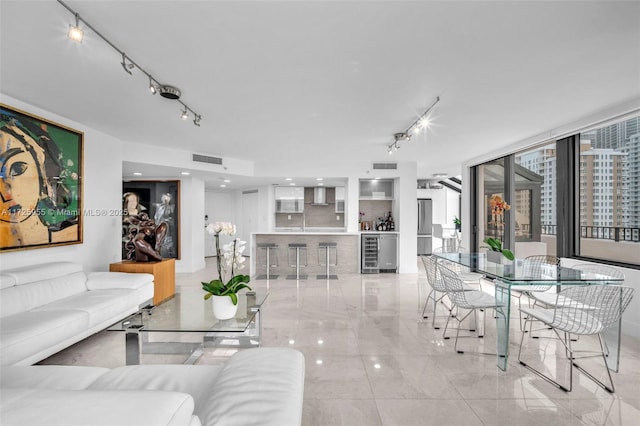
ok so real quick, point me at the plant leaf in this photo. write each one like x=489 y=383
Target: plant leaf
x=234 y=298
x=508 y=254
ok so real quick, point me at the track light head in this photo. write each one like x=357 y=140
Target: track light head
x=401 y=136
x=126 y=66
x=196 y=119
x=75 y=33
x=185 y=114
x=152 y=87
x=169 y=92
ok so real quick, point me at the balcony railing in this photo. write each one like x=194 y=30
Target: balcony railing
x=615 y=233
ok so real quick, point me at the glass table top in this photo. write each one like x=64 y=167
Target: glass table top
x=517 y=272
x=189 y=312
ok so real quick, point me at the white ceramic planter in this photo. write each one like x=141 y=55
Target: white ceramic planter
x=223 y=307
x=498 y=257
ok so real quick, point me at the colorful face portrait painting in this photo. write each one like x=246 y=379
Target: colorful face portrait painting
x=40 y=182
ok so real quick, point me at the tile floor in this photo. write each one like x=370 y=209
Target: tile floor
x=372 y=360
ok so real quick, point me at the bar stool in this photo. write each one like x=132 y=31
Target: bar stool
x=266 y=249
x=328 y=248
x=299 y=249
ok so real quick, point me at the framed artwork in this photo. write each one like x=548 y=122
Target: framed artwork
x=40 y=182
x=160 y=201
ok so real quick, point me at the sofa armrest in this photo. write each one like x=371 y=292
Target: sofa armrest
x=261 y=386
x=107 y=280
x=35 y=407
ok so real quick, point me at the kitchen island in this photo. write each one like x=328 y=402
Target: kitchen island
x=348 y=244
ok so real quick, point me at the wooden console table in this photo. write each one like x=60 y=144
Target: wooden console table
x=164 y=275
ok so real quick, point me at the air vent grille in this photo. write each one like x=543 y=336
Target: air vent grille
x=206 y=159
x=250 y=191
x=385 y=166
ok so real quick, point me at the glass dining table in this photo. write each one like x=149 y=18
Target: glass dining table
x=505 y=276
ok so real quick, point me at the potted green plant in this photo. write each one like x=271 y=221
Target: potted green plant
x=225 y=294
x=495 y=246
x=458 y=223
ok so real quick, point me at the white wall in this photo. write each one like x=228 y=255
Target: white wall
x=102 y=190
x=191 y=226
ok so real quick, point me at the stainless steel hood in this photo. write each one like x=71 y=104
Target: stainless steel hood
x=320 y=196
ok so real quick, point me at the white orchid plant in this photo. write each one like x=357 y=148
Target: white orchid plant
x=229 y=260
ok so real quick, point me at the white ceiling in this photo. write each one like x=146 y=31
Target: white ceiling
x=316 y=81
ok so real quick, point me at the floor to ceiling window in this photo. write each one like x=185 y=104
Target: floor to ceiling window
x=577 y=197
x=609 y=191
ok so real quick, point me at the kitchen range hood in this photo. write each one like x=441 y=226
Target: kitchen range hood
x=319 y=196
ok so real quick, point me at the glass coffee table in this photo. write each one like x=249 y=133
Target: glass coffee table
x=188 y=312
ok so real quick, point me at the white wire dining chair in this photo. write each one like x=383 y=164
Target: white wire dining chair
x=580 y=311
x=534 y=266
x=465 y=275
x=438 y=290
x=471 y=301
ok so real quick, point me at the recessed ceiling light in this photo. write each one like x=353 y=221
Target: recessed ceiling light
x=321 y=184
x=440 y=175
x=223 y=185
x=137 y=174
x=288 y=179
x=227 y=181
x=185 y=173
x=319 y=179
x=292 y=184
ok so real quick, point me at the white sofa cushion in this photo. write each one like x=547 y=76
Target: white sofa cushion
x=100 y=306
x=50 y=376
x=27 y=333
x=37 y=407
x=26 y=296
x=261 y=386
x=108 y=280
x=196 y=380
x=33 y=273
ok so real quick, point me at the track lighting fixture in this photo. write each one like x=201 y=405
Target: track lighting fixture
x=166 y=91
x=75 y=32
x=416 y=127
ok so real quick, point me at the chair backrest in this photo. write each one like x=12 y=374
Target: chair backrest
x=433 y=275
x=437 y=250
x=589 y=309
x=453 y=286
x=601 y=270
x=540 y=265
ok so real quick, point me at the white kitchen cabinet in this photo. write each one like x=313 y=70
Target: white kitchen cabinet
x=289 y=199
x=376 y=189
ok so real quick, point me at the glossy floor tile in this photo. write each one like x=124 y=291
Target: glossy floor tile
x=371 y=359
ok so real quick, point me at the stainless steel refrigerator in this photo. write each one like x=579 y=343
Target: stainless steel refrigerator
x=424 y=226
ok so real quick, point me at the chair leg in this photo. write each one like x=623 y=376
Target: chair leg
x=539 y=373
x=426 y=303
x=604 y=360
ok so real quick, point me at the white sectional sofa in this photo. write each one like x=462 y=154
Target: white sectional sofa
x=262 y=386
x=46 y=308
